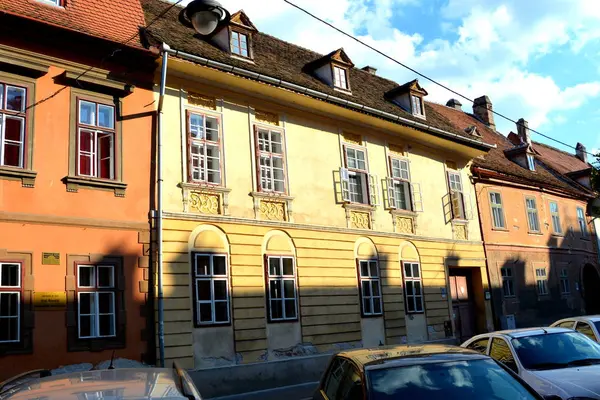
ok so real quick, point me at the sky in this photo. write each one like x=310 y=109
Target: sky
x=535 y=59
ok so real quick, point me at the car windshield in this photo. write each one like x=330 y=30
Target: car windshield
x=460 y=380
x=597 y=325
x=568 y=349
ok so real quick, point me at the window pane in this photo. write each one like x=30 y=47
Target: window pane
x=373 y=269
x=376 y=306
x=276 y=142
x=364 y=268
x=202 y=265
x=367 y=305
x=290 y=308
x=206 y=312
x=86 y=303
x=415 y=269
x=85 y=326
x=87 y=113
x=288 y=266
x=289 y=288
x=375 y=288
x=276 y=309
x=85 y=164
x=13 y=129
x=274 y=266
x=219 y=265
x=15 y=98
x=366 y=288
x=408 y=270
x=351 y=157
x=106 y=116
x=105 y=276
x=409 y=288
x=410 y=305
x=203 y=288
x=87 y=276
x=106 y=303
x=12 y=154
x=275 y=289
x=105 y=155
x=417 y=287
x=197 y=126
x=212 y=129
x=9 y=304
x=10 y=275
x=220 y=292
x=107 y=325
x=221 y=312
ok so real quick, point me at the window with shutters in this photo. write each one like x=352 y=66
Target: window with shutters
x=358 y=186
x=370 y=288
x=10 y=302
x=581 y=222
x=565 y=287
x=541 y=281
x=96 y=135
x=413 y=287
x=456 y=195
x=13 y=122
x=270 y=160
x=508 y=284
x=211 y=289
x=556 y=227
x=282 y=297
x=401 y=193
x=533 y=220
x=204 y=148
x=96 y=299
x=497 y=211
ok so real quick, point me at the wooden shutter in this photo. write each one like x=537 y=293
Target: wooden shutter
x=388 y=190
x=345 y=184
x=257 y=152
x=189 y=145
x=468 y=207
x=373 y=192
x=417 y=197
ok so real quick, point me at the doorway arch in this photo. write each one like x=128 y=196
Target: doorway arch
x=591 y=289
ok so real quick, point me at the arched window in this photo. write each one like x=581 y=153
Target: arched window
x=280 y=277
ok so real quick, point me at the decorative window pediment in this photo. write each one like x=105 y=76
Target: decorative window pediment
x=409 y=97
x=333 y=69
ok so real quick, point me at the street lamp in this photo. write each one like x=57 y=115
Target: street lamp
x=204 y=16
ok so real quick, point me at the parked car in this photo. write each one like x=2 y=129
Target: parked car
x=419 y=372
x=554 y=361
x=116 y=384
x=589 y=325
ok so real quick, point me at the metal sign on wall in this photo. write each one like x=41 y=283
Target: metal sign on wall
x=50 y=258
x=50 y=300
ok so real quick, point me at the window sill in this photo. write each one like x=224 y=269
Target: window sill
x=204 y=186
x=282 y=321
x=562 y=235
x=271 y=195
x=536 y=233
x=359 y=206
x=242 y=58
x=371 y=315
x=402 y=213
x=27 y=177
x=500 y=229
x=74 y=182
x=342 y=90
x=215 y=325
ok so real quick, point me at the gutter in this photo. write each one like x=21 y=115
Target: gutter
x=326 y=97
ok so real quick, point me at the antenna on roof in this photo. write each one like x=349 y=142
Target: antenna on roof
x=544 y=329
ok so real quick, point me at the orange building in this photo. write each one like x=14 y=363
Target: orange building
x=76 y=122
x=539 y=238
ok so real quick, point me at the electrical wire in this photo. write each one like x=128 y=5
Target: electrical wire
x=432 y=80
x=104 y=59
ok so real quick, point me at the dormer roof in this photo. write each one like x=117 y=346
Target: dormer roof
x=337 y=56
x=242 y=20
x=409 y=87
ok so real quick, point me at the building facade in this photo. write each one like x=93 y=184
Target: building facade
x=76 y=129
x=534 y=208
x=295 y=226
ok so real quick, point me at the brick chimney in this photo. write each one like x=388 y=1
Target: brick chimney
x=580 y=152
x=482 y=108
x=454 y=103
x=523 y=131
x=369 y=69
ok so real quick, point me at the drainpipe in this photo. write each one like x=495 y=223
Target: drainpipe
x=159 y=221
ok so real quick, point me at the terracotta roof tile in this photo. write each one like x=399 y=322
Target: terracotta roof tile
x=496 y=160
x=285 y=61
x=114 y=20
x=560 y=160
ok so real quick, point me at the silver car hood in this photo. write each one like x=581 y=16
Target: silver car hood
x=569 y=382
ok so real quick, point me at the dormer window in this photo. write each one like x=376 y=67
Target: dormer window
x=239 y=44
x=339 y=78
x=417 y=105
x=58 y=3
x=531 y=162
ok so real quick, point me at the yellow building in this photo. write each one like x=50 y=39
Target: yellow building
x=310 y=206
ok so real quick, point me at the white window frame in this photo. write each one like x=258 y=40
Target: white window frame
x=498 y=219
x=236 y=42
x=400 y=176
x=96 y=130
x=211 y=277
x=281 y=278
x=457 y=195
x=203 y=143
x=417 y=105
x=340 y=77
x=16 y=115
x=565 y=286
x=532 y=214
x=555 y=216
x=531 y=162
x=582 y=222
x=368 y=182
x=418 y=300
x=94 y=301
x=541 y=278
x=6 y=290
x=267 y=183
x=373 y=281
x=507 y=282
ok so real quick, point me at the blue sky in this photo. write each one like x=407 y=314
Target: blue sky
x=535 y=59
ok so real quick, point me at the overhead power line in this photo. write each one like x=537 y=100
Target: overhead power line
x=432 y=80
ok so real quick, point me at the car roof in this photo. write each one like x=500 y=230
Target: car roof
x=525 y=332
x=591 y=318
x=383 y=354
x=146 y=383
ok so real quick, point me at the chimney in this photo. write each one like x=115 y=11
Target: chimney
x=454 y=103
x=482 y=108
x=369 y=69
x=523 y=131
x=580 y=152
